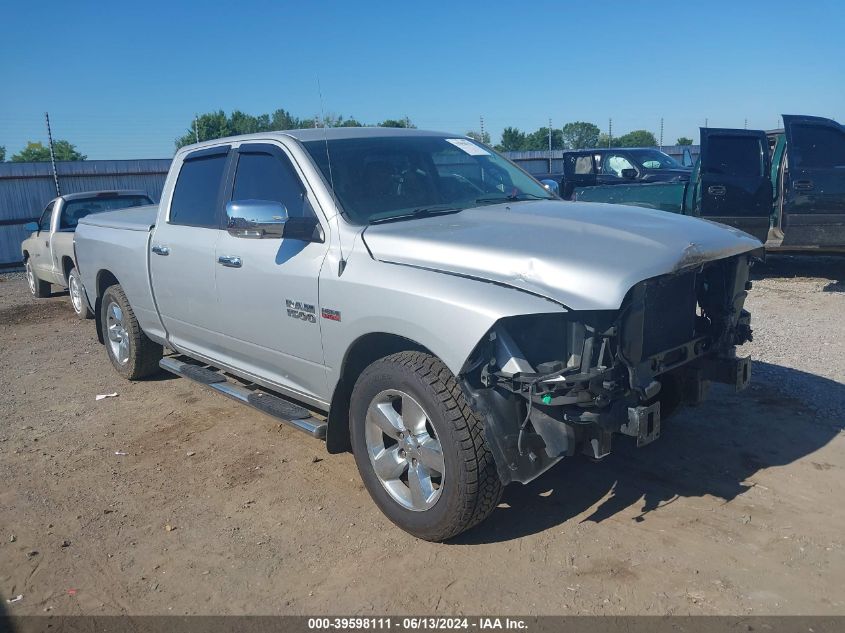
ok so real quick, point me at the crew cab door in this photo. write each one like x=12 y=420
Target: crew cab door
x=181 y=255
x=814 y=182
x=267 y=288
x=734 y=184
x=579 y=170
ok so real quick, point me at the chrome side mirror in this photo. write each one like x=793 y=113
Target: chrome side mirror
x=551 y=185
x=256 y=219
x=30 y=227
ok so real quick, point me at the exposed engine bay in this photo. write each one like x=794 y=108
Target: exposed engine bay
x=551 y=385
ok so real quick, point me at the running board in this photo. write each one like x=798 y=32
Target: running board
x=283 y=410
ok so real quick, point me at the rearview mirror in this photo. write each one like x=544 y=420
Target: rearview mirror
x=30 y=227
x=629 y=174
x=256 y=219
x=551 y=185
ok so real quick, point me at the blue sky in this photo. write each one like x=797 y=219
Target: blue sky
x=122 y=80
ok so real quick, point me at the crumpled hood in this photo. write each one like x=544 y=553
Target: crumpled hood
x=583 y=255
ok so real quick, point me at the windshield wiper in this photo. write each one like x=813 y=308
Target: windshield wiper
x=420 y=212
x=512 y=198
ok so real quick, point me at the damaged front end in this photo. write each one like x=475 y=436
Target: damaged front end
x=551 y=385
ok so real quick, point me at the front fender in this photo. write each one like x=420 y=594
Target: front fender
x=444 y=313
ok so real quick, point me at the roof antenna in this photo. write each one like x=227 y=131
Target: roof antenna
x=341 y=265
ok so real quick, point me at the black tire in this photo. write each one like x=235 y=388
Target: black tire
x=39 y=289
x=142 y=354
x=80 y=308
x=470 y=487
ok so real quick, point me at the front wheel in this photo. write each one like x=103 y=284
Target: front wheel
x=420 y=448
x=130 y=351
x=77 y=296
x=38 y=288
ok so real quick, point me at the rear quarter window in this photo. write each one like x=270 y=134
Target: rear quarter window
x=197 y=192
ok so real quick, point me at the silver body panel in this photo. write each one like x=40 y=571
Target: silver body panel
x=439 y=282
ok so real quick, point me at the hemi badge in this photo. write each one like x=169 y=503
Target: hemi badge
x=331 y=315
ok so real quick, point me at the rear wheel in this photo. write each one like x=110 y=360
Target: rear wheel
x=77 y=295
x=130 y=351
x=38 y=288
x=420 y=448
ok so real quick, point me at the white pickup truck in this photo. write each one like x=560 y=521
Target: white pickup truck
x=419 y=298
x=48 y=251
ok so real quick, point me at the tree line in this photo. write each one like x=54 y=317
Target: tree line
x=212 y=125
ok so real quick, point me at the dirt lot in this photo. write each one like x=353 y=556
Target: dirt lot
x=738 y=509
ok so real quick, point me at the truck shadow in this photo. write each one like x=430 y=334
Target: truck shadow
x=715 y=450
x=825 y=267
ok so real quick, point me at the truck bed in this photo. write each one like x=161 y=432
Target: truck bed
x=118 y=242
x=134 y=219
x=664 y=196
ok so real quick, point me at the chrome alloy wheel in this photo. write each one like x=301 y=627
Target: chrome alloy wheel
x=404 y=450
x=30 y=277
x=75 y=290
x=118 y=336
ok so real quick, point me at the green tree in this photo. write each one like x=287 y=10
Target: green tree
x=2 y=153
x=684 y=140
x=580 y=135
x=637 y=138
x=539 y=140
x=513 y=140
x=283 y=120
x=37 y=152
x=478 y=136
x=406 y=122
x=606 y=141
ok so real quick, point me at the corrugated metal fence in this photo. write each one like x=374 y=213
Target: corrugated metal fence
x=26 y=188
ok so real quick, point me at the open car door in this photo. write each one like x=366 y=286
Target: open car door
x=813 y=212
x=734 y=179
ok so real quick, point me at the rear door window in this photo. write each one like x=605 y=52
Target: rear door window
x=197 y=193
x=818 y=146
x=740 y=156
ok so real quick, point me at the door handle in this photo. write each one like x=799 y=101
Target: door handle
x=804 y=185
x=158 y=249
x=716 y=190
x=230 y=261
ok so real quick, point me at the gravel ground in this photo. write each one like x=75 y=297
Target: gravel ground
x=171 y=499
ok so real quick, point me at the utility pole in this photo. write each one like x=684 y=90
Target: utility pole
x=745 y=127
x=705 y=122
x=52 y=153
x=609 y=132
x=550 y=137
x=481 y=118
x=196 y=129
x=661 y=133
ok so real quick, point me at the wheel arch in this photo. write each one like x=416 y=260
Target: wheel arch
x=364 y=350
x=105 y=278
x=67 y=265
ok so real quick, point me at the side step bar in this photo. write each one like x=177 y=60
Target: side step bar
x=279 y=408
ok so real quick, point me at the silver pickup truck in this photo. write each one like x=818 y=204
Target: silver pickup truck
x=48 y=252
x=420 y=299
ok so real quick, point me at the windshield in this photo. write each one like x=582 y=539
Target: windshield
x=655 y=159
x=381 y=178
x=75 y=210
